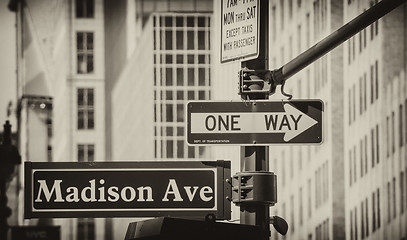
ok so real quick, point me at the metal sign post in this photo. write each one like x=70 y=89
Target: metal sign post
x=256 y=158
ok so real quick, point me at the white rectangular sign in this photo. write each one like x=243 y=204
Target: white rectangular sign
x=254 y=122
x=240 y=30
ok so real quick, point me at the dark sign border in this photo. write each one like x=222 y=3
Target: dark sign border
x=223 y=211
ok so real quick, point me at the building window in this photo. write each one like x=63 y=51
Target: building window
x=351 y=225
x=377 y=144
x=360 y=96
x=301 y=206
x=85 y=8
x=317 y=188
x=366 y=158
x=299 y=38
x=326 y=181
x=283 y=167
x=373 y=211
x=309 y=199
x=394 y=198
x=378 y=208
x=84 y=45
x=274 y=23
x=401 y=128
x=290 y=8
x=388 y=136
x=393 y=133
x=291 y=163
x=372 y=84
x=372 y=131
x=354 y=164
x=362 y=219
x=361 y=159
x=308 y=40
x=402 y=192
x=388 y=202
x=405 y=118
x=365 y=91
x=360 y=47
x=353 y=48
x=354 y=102
x=182 y=73
x=377 y=78
x=367 y=216
x=350 y=168
x=350 y=105
x=282 y=13
x=86 y=112
x=356 y=222
x=86 y=152
x=364 y=37
x=292 y=225
x=86 y=229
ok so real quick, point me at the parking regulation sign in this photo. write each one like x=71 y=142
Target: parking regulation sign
x=254 y=122
x=239 y=30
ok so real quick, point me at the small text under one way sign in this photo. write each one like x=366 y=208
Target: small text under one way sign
x=239 y=27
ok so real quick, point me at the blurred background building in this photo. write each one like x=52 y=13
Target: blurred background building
x=311 y=178
x=375 y=104
x=108 y=81
x=75 y=104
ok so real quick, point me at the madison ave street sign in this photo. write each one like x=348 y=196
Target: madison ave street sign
x=239 y=30
x=254 y=122
x=127 y=189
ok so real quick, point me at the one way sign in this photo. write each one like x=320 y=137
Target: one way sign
x=254 y=122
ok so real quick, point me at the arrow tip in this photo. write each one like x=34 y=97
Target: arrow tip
x=304 y=122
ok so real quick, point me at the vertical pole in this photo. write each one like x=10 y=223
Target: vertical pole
x=255 y=158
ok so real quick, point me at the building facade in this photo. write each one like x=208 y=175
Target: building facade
x=60 y=54
x=109 y=80
x=169 y=66
x=353 y=186
x=375 y=126
x=310 y=178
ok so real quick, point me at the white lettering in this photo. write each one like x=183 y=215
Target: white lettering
x=206 y=190
x=102 y=191
x=113 y=193
x=74 y=196
x=132 y=194
x=92 y=190
x=190 y=193
x=44 y=188
x=172 y=188
x=141 y=194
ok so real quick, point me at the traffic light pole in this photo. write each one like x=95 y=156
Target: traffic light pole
x=255 y=158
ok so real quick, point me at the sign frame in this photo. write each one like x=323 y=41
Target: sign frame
x=221 y=191
x=314 y=106
x=241 y=56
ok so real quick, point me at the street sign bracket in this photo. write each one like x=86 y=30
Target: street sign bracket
x=251 y=82
x=254 y=187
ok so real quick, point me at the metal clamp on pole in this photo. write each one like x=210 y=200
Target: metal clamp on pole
x=254 y=187
x=252 y=82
